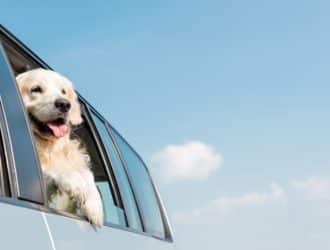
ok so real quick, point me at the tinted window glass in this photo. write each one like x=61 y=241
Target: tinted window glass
x=112 y=212
x=141 y=182
x=26 y=163
x=124 y=186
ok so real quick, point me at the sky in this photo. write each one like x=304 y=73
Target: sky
x=227 y=101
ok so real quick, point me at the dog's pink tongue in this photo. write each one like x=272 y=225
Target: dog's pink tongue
x=59 y=130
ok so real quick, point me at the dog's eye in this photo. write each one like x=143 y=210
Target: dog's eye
x=63 y=91
x=36 y=89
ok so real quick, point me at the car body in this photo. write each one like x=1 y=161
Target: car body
x=135 y=216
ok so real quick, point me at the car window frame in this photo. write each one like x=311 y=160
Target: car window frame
x=106 y=125
x=164 y=217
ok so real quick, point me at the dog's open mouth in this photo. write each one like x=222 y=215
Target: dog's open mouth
x=57 y=127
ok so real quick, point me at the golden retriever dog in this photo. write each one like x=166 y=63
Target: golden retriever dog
x=53 y=107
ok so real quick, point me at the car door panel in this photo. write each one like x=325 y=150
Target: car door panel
x=70 y=234
x=22 y=228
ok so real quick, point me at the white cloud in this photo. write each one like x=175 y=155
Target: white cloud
x=192 y=160
x=252 y=199
x=255 y=220
x=314 y=187
x=225 y=204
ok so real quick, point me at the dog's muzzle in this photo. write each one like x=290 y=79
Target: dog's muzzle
x=63 y=105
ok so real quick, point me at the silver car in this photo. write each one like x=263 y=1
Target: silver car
x=135 y=218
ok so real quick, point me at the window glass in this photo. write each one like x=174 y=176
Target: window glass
x=26 y=164
x=122 y=180
x=142 y=185
x=112 y=212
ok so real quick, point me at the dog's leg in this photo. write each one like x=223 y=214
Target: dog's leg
x=72 y=183
x=80 y=186
x=92 y=208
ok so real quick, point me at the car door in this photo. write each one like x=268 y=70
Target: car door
x=22 y=224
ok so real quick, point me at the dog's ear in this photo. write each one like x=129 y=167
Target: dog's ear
x=75 y=113
x=21 y=81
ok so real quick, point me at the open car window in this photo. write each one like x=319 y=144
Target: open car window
x=19 y=62
x=113 y=211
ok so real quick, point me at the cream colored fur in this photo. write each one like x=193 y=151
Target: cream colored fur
x=65 y=165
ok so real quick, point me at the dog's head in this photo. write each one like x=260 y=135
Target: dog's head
x=51 y=102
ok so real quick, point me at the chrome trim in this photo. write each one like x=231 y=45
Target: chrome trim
x=8 y=151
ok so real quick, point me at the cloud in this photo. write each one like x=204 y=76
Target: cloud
x=252 y=199
x=268 y=219
x=226 y=204
x=314 y=187
x=193 y=160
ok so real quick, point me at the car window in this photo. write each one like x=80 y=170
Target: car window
x=21 y=153
x=113 y=212
x=122 y=180
x=112 y=207
x=146 y=196
x=125 y=201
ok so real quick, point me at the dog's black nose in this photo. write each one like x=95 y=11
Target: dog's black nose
x=63 y=105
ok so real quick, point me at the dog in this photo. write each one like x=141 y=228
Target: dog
x=52 y=107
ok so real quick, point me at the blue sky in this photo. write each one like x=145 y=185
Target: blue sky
x=245 y=83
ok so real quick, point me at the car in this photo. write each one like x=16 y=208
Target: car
x=134 y=215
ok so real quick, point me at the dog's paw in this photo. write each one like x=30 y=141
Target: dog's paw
x=92 y=208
